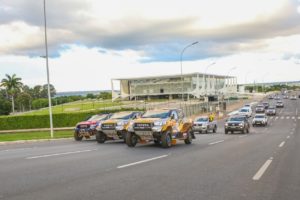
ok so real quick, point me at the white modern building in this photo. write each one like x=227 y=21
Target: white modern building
x=194 y=85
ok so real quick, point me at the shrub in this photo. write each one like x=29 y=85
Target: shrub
x=42 y=121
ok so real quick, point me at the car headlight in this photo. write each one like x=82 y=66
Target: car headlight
x=226 y=124
x=159 y=123
x=121 y=123
x=241 y=124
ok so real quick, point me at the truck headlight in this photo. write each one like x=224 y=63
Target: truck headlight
x=159 y=123
x=121 y=123
x=241 y=124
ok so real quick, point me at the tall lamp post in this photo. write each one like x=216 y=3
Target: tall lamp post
x=48 y=78
x=181 y=65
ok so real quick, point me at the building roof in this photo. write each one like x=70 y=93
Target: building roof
x=173 y=76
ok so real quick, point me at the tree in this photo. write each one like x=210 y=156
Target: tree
x=105 y=95
x=90 y=96
x=24 y=101
x=44 y=91
x=12 y=84
x=5 y=106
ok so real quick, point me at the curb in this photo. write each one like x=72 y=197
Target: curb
x=32 y=141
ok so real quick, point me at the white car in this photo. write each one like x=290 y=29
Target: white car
x=246 y=111
x=260 y=120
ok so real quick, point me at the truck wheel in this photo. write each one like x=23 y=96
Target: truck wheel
x=166 y=140
x=243 y=131
x=189 y=138
x=100 y=137
x=215 y=129
x=77 y=137
x=124 y=134
x=131 y=139
x=157 y=142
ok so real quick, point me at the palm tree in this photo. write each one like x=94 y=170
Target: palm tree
x=12 y=84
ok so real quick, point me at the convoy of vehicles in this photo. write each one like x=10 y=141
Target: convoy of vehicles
x=163 y=127
x=203 y=125
x=88 y=128
x=166 y=126
x=115 y=128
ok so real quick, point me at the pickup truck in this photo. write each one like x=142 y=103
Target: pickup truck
x=204 y=125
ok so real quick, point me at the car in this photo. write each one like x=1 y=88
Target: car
x=277 y=98
x=260 y=120
x=293 y=97
x=115 y=128
x=279 y=104
x=238 y=123
x=260 y=109
x=203 y=124
x=247 y=111
x=164 y=127
x=87 y=128
x=271 y=97
x=266 y=105
x=271 y=110
x=285 y=97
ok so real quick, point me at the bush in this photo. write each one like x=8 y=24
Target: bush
x=42 y=121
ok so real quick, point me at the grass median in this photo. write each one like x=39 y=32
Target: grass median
x=6 y=137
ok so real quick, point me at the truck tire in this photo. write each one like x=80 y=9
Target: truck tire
x=124 y=134
x=166 y=140
x=100 y=137
x=131 y=139
x=77 y=137
x=189 y=138
x=215 y=129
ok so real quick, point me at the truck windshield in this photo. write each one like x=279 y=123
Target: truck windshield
x=122 y=115
x=203 y=119
x=156 y=114
x=238 y=119
x=259 y=116
x=96 y=117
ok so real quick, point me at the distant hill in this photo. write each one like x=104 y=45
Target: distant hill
x=79 y=93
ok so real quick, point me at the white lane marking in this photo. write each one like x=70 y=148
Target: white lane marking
x=292 y=133
x=293 y=117
x=296 y=111
x=142 y=161
x=288 y=137
x=20 y=149
x=281 y=144
x=60 y=154
x=288 y=117
x=241 y=136
x=276 y=118
x=217 y=142
x=271 y=117
x=298 y=117
x=282 y=117
x=262 y=170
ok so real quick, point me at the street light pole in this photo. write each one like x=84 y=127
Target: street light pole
x=48 y=78
x=181 y=65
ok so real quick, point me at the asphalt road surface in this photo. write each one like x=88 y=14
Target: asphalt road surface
x=262 y=165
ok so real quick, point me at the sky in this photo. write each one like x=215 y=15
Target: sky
x=91 y=42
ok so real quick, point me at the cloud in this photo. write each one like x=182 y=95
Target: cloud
x=157 y=33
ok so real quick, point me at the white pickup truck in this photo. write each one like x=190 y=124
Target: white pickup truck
x=204 y=125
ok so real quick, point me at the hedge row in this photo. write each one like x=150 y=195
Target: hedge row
x=42 y=121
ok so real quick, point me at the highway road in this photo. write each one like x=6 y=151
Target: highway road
x=262 y=165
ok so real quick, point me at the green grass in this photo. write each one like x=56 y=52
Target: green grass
x=34 y=135
x=75 y=107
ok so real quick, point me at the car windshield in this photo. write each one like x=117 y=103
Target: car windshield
x=244 y=110
x=96 y=117
x=156 y=114
x=260 y=107
x=279 y=101
x=202 y=119
x=236 y=119
x=271 y=108
x=259 y=116
x=122 y=115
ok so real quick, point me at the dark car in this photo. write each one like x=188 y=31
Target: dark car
x=260 y=109
x=279 y=104
x=87 y=128
x=266 y=105
x=271 y=110
x=237 y=123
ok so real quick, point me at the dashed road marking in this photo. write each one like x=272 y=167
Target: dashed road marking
x=282 y=117
x=298 y=117
x=217 y=142
x=271 y=117
x=293 y=117
x=287 y=137
x=142 y=161
x=288 y=117
x=262 y=170
x=281 y=144
x=276 y=118
x=60 y=154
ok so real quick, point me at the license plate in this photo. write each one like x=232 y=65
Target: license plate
x=144 y=133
